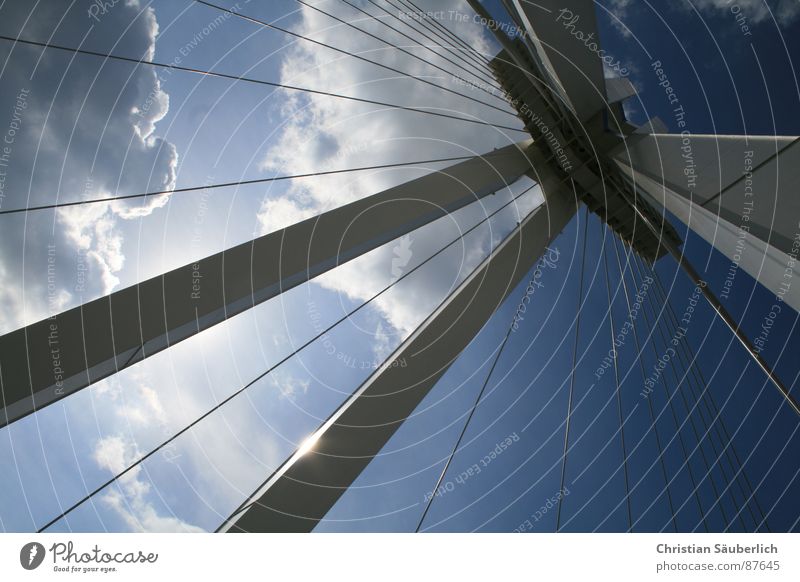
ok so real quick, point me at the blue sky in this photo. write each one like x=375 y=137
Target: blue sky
x=183 y=129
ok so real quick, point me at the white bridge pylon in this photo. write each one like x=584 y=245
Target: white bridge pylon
x=564 y=88
x=741 y=196
x=111 y=333
x=582 y=150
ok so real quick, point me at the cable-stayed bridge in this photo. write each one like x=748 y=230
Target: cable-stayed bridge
x=594 y=169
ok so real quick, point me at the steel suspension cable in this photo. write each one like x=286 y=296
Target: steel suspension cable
x=438 y=25
x=265 y=24
x=640 y=265
x=715 y=303
x=653 y=419
x=466 y=425
x=678 y=425
x=475 y=65
x=459 y=47
x=229 y=184
x=616 y=379
x=394 y=46
x=247 y=504
x=241 y=390
x=244 y=79
x=701 y=391
x=572 y=377
x=700 y=378
x=691 y=412
x=482 y=73
x=669 y=397
x=476 y=72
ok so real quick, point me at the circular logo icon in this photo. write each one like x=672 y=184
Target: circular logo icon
x=31 y=555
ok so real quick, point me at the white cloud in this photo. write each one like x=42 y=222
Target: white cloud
x=92 y=230
x=289 y=385
x=86 y=128
x=619 y=14
x=325 y=133
x=133 y=404
x=382 y=344
x=130 y=499
x=757 y=11
x=402 y=254
x=123 y=122
x=785 y=12
x=110 y=454
x=276 y=213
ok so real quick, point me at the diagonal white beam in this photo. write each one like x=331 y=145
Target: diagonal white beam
x=739 y=193
x=719 y=308
x=565 y=38
x=732 y=176
x=619 y=88
x=302 y=491
x=50 y=359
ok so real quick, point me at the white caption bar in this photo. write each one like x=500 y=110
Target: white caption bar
x=356 y=557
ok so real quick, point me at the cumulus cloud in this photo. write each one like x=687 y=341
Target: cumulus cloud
x=82 y=128
x=383 y=343
x=138 y=407
x=757 y=11
x=785 y=12
x=130 y=499
x=96 y=134
x=289 y=385
x=324 y=133
x=134 y=403
x=618 y=11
